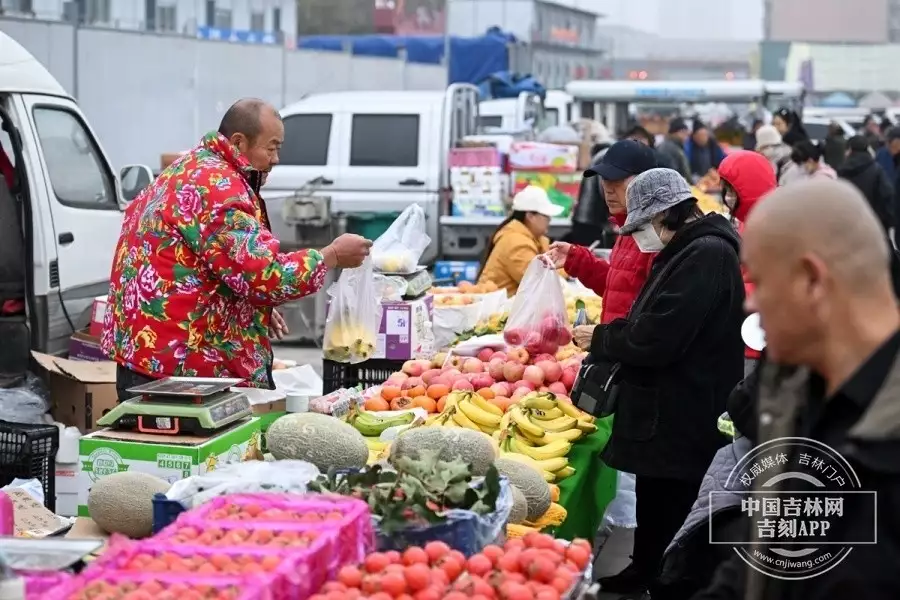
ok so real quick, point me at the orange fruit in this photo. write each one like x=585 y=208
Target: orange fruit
x=389 y=392
x=441 y=403
x=486 y=393
x=436 y=390
x=401 y=403
x=416 y=391
x=501 y=402
x=426 y=403
x=377 y=403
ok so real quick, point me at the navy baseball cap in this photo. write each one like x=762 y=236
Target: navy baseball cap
x=624 y=159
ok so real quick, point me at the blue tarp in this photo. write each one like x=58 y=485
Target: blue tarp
x=509 y=85
x=472 y=60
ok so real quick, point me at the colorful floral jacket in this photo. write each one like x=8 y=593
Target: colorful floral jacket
x=197 y=272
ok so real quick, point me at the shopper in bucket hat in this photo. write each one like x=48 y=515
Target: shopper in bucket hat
x=680 y=354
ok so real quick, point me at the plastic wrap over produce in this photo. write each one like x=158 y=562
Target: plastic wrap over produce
x=290 y=476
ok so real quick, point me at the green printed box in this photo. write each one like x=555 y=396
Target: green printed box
x=171 y=458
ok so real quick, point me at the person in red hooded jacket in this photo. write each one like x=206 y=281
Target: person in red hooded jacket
x=746 y=177
x=619 y=279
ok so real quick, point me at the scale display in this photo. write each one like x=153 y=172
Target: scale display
x=180 y=405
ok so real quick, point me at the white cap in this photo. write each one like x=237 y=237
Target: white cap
x=767 y=136
x=535 y=199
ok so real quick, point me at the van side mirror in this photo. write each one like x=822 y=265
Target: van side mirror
x=134 y=179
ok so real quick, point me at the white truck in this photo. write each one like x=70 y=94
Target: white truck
x=61 y=215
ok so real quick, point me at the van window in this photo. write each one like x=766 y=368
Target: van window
x=384 y=141
x=306 y=139
x=490 y=121
x=76 y=170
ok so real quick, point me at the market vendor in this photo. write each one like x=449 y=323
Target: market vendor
x=197 y=273
x=519 y=239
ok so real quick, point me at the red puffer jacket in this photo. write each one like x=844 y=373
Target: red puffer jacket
x=618 y=280
x=752 y=177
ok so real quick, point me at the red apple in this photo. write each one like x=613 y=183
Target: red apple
x=463 y=385
x=482 y=380
x=513 y=337
x=472 y=365
x=452 y=374
x=568 y=378
x=512 y=372
x=549 y=346
x=501 y=388
x=542 y=357
x=532 y=343
x=552 y=370
x=519 y=355
x=499 y=355
x=524 y=384
x=429 y=375
x=413 y=368
x=485 y=354
x=559 y=388
x=533 y=375
x=519 y=393
x=412 y=382
x=495 y=368
x=565 y=337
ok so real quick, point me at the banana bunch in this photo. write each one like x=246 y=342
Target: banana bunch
x=469 y=410
x=378 y=450
x=346 y=341
x=543 y=429
x=371 y=425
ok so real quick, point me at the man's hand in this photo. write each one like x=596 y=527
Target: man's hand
x=277 y=326
x=347 y=252
x=559 y=252
x=582 y=335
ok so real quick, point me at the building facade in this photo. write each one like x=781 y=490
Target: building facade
x=254 y=21
x=832 y=21
x=560 y=38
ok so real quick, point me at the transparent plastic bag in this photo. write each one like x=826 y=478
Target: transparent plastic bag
x=354 y=316
x=399 y=248
x=24 y=400
x=622 y=511
x=537 y=320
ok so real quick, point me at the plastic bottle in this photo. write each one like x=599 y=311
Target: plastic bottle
x=7 y=515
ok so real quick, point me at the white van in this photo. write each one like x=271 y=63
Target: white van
x=512 y=114
x=61 y=216
x=372 y=152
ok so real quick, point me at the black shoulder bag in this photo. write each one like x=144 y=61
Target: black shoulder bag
x=595 y=389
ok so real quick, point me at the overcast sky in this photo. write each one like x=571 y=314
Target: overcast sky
x=733 y=19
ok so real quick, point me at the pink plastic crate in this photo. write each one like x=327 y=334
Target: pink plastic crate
x=38 y=583
x=473 y=157
x=355 y=535
x=296 y=577
x=173 y=587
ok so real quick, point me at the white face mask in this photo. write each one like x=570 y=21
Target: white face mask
x=647 y=239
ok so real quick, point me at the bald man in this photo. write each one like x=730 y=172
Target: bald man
x=819 y=261
x=197 y=272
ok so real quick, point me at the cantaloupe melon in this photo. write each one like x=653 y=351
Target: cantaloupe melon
x=519 y=512
x=322 y=440
x=529 y=482
x=473 y=447
x=123 y=502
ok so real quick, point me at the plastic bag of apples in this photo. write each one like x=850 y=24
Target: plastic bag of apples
x=537 y=320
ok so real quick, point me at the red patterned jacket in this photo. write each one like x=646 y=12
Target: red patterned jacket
x=197 y=272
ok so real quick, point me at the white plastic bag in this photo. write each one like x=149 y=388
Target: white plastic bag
x=537 y=320
x=354 y=316
x=399 y=248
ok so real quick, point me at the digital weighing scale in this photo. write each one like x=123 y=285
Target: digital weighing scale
x=180 y=405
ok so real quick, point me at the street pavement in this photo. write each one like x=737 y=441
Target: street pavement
x=615 y=553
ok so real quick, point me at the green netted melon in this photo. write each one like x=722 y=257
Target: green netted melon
x=473 y=447
x=519 y=512
x=322 y=440
x=123 y=502
x=530 y=482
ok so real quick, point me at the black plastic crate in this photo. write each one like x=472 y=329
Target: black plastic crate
x=29 y=452
x=374 y=371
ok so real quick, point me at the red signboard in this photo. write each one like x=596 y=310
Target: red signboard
x=410 y=17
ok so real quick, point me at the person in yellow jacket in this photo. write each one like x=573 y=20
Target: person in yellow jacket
x=518 y=239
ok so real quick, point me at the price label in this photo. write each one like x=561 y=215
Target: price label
x=397 y=322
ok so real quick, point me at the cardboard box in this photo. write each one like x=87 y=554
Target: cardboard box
x=80 y=392
x=402 y=330
x=171 y=458
x=84 y=346
x=98 y=313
